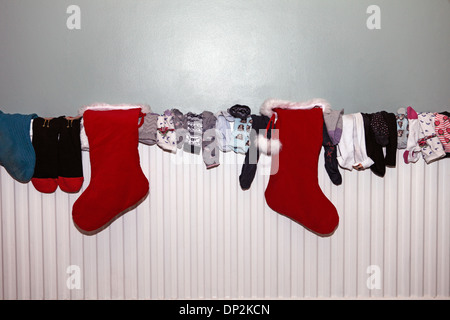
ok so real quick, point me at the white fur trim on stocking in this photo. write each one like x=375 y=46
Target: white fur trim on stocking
x=109 y=107
x=105 y=107
x=271 y=104
x=268 y=146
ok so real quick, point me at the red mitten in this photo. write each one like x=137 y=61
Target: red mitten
x=294 y=189
x=117 y=182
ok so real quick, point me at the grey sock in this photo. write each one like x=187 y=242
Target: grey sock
x=333 y=122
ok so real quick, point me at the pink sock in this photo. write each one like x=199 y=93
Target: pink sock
x=442 y=123
x=411 y=153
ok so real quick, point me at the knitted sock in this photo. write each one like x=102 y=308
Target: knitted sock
x=16 y=150
x=330 y=155
x=147 y=133
x=446 y=113
x=210 y=150
x=248 y=171
x=379 y=128
x=178 y=122
x=194 y=131
x=166 y=137
x=70 y=165
x=45 y=143
x=402 y=128
x=241 y=134
x=374 y=149
x=352 y=147
x=430 y=144
x=412 y=151
x=224 y=124
x=333 y=123
x=442 y=127
x=391 y=147
x=240 y=111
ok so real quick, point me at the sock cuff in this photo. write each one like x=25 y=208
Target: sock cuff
x=412 y=114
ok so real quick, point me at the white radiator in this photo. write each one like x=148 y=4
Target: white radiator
x=199 y=236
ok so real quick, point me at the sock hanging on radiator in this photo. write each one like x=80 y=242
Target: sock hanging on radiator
x=412 y=152
x=45 y=143
x=117 y=182
x=57 y=145
x=70 y=164
x=16 y=150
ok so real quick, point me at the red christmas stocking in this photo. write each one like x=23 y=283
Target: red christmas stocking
x=294 y=189
x=117 y=182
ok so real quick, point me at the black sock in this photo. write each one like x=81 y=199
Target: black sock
x=70 y=164
x=45 y=142
x=330 y=154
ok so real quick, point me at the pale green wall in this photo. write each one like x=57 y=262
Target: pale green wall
x=210 y=54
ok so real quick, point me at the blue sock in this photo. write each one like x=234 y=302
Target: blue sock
x=16 y=150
